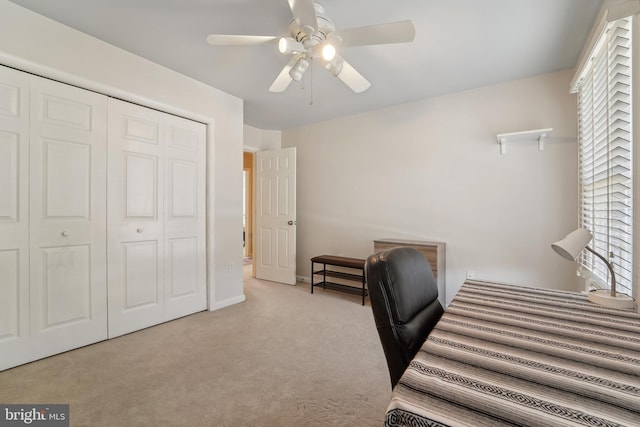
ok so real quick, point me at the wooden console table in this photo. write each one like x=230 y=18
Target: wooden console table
x=434 y=252
x=344 y=262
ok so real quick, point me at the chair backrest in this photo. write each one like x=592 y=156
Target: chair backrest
x=404 y=300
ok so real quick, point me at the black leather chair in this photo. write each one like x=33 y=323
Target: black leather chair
x=404 y=299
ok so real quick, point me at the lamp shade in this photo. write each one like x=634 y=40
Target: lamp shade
x=571 y=246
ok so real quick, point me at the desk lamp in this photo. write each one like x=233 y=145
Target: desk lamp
x=570 y=247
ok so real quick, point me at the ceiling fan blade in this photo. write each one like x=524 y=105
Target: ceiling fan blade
x=352 y=78
x=304 y=12
x=237 y=40
x=391 y=32
x=282 y=82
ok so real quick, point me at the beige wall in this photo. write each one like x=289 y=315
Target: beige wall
x=432 y=170
x=36 y=44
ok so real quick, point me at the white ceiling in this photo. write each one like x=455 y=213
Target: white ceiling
x=459 y=45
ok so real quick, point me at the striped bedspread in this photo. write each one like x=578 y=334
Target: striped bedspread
x=510 y=355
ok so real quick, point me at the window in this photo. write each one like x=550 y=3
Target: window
x=605 y=155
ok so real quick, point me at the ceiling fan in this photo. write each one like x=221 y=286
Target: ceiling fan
x=313 y=37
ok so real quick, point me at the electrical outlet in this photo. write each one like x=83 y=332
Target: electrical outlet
x=471 y=274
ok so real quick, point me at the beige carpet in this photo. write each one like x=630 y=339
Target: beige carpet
x=284 y=357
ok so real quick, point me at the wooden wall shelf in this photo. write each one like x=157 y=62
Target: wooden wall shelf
x=528 y=135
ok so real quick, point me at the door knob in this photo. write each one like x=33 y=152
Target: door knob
x=64 y=233
x=291 y=222
x=139 y=230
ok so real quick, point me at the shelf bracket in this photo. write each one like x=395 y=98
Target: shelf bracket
x=541 y=141
x=503 y=145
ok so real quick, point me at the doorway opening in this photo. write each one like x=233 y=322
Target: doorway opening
x=247 y=207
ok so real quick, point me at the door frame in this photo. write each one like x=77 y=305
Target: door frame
x=248 y=159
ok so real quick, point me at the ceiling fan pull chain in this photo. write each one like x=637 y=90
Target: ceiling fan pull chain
x=311 y=86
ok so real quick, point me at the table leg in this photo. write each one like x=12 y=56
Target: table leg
x=324 y=276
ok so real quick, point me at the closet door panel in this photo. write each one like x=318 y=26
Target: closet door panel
x=9 y=294
x=141 y=186
x=66 y=180
x=135 y=217
x=183 y=190
x=66 y=285
x=185 y=227
x=9 y=174
x=140 y=278
x=68 y=217
x=14 y=218
x=156 y=216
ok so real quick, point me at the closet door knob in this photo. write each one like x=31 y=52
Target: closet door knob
x=64 y=233
x=139 y=230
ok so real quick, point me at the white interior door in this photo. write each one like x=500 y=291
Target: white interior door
x=135 y=218
x=68 y=217
x=185 y=212
x=14 y=218
x=156 y=217
x=276 y=215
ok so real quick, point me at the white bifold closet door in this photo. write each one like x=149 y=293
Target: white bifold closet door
x=14 y=217
x=156 y=216
x=67 y=217
x=52 y=217
x=102 y=217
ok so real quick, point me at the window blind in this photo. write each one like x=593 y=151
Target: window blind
x=605 y=155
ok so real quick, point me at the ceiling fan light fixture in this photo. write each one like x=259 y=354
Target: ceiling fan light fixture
x=313 y=37
x=328 y=52
x=288 y=45
x=298 y=70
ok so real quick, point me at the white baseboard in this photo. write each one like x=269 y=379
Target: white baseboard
x=303 y=279
x=226 y=303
